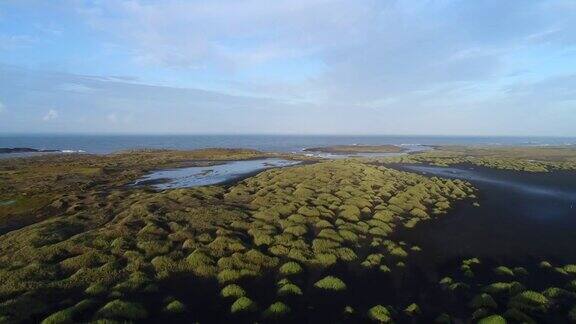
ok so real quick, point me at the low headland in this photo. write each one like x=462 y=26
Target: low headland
x=355 y=149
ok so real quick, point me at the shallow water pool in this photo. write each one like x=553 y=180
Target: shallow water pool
x=209 y=175
x=521 y=215
x=7 y=202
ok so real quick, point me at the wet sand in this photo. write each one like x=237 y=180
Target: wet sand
x=521 y=215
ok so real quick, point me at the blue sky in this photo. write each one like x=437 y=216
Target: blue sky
x=486 y=67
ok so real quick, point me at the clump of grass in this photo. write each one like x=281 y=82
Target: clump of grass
x=63 y=316
x=350 y=213
x=123 y=309
x=330 y=234
x=154 y=247
x=199 y=258
x=330 y=283
x=504 y=271
x=308 y=211
x=325 y=259
x=412 y=310
x=96 y=289
x=287 y=288
x=545 y=265
x=471 y=262
x=276 y=310
x=398 y=251
x=348 y=235
x=323 y=224
x=296 y=230
x=480 y=313
x=518 y=316
x=348 y=310
x=520 y=271
x=323 y=245
x=555 y=292
x=290 y=268
x=262 y=239
x=492 y=319
x=570 y=268
x=346 y=254
x=483 y=300
x=509 y=288
x=380 y=314
x=175 y=307
x=378 y=231
x=243 y=304
x=233 y=290
x=228 y=275
x=384 y=269
x=530 y=301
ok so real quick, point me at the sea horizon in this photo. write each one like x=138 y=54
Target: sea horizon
x=109 y=143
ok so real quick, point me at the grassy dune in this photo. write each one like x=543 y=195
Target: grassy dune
x=529 y=159
x=296 y=224
x=352 y=149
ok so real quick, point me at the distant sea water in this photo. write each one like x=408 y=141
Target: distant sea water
x=103 y=144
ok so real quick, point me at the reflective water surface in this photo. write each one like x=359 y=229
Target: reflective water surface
x=521 y=215
x=209 y=175
x=7 y=202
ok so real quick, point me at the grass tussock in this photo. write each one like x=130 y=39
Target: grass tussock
x=330 y=283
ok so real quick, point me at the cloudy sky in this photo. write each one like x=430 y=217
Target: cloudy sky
x=485 y=67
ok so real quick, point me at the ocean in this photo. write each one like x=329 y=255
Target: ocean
x=103 y=144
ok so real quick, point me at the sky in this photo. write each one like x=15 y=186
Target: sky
x=417 y=67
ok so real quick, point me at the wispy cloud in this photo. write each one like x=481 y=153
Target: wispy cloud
x=314 y=66
x=14 y=42
x=50 y=115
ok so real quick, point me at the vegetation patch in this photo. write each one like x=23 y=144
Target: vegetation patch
x=330 y=283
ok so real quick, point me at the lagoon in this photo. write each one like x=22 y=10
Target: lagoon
x=521 y=215
x=209 y=175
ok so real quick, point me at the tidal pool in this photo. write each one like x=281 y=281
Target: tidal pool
x=521 y=215
x=209 y=175
x=408 y=149
x=7 y=202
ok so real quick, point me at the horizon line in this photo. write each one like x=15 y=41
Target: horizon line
x=271 y=134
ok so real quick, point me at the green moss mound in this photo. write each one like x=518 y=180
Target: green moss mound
x=276 y=310
x=290 y=268
x=243 y=305
x=530 y=301
x=493 y=319
x=330 y=283
x=232 y=290
x=412 y=310
x=175 y=307
x=289 y=289
x=483 y=301
x=123 y=309
x=379 y=314
x=60 y=317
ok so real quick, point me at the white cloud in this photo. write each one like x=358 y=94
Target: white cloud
x=445 y=66
x=229 y=33
x=50 y=115
x=2 y=107
x=75 y=87
x=371 y=49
